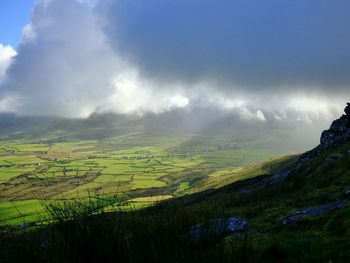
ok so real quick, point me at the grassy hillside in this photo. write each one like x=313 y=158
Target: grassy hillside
x=158 y=234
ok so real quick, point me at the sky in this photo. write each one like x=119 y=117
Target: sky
x=266 y=61
x=14 y=15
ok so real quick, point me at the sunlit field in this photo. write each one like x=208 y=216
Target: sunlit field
x=135 y=167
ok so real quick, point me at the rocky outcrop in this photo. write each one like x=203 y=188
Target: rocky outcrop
x=313 y=211
x=347 y=109
x=216 y=228
x=338 y=132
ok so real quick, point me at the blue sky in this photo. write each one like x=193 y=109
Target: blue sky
x=14 y=15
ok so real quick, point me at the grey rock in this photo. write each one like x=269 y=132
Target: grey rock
x=236 y=224
x=216 y=228
x=347 y=109
x=338 y=132
x=313 y=211
x=340 y=125
x=347 y=192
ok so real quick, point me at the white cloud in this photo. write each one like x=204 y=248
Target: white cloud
x=6 y=55
x=248 y=114
x=64 y=64
x=9 y=103
x=260 y=115
x=280 y=115
x=133 y=95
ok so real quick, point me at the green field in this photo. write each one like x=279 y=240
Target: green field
x=134 y=166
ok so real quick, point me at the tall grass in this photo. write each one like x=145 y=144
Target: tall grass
x=82 y=232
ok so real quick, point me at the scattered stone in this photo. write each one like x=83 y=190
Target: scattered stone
x=347 y=192
x=313 y=211
x=216 y=228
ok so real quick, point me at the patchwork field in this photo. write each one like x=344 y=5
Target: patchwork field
x=134 y=167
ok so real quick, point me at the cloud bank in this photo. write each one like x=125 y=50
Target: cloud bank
x=252 y=45
x=264 y=61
